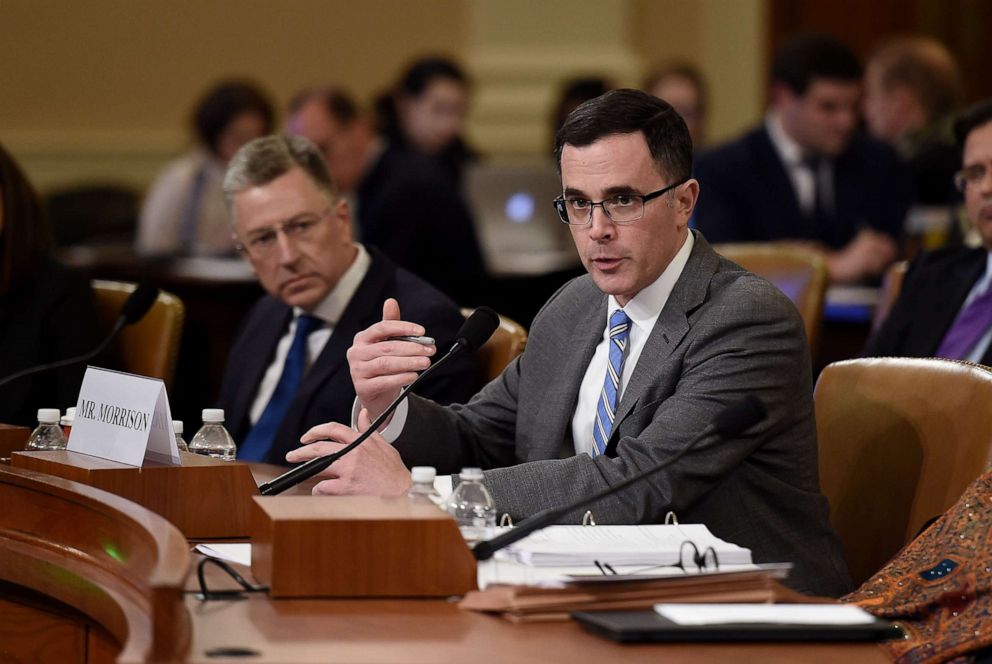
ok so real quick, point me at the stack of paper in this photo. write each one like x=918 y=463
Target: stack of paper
x=622 y=545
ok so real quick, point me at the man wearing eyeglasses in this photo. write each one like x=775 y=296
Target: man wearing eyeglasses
x=944 y=307
x=623 y=368
x=287 y=369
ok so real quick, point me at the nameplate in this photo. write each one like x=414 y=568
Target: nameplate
x=124 y=418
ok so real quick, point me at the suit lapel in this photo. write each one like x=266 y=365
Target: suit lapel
x=273 y=319
x=672 y=326
x=945 y=297
x=364 y=309
x=777 y=181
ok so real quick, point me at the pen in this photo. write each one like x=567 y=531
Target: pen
x=423 y=341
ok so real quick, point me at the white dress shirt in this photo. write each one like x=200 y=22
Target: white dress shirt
x=328 y=310
x=804 y=180
x=643 y=311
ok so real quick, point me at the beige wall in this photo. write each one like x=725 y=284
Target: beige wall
x=101 y=89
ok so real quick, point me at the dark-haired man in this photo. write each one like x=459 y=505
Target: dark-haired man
x=287 y=369
x=623 y=368
x=408 y=206
x=944 y=307
x=805 y=174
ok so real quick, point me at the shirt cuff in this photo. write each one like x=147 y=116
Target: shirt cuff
x=392 y=430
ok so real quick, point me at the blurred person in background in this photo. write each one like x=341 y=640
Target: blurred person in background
x=682 y=85
x=183 y=213
x=944 y=308
x=913 y=88
x=47 y=312
x=407 y=205
x=575 y=92
x=806 y=175
x=425 y=112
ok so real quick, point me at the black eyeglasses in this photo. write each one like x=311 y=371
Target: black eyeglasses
x=704 y=561
x=621 y=209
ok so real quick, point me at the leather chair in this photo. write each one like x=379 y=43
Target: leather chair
x=900 y=440
x=889 y=293
x=507 y=342
x=798 y=272
x=150 y=346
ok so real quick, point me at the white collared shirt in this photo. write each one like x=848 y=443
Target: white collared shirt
x=328 y=310
x=643 y=311
x=804 y=180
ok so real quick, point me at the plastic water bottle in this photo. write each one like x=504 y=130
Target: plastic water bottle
x=177 y=427
x=67 y=420
x=422 y=490
x=213 y=439
x=48 y=435
x=472 y=506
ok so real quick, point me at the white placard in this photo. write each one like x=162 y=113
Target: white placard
x=124 y=418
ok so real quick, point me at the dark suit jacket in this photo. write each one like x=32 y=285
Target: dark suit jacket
x=932 y=293
x=724 y=332
x=410 y=209
x=51 y=316
x=326 y=393
x=746 y=194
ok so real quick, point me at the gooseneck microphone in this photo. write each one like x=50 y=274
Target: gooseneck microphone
x=736 y=418
x=134 y=309
x=474 y=332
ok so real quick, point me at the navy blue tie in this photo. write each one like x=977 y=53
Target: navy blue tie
x=257 y=444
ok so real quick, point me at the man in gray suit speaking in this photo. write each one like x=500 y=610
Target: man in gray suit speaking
x=623 y=368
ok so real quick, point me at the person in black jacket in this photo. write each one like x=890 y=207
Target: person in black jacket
x=944 y=307
x=47 y=312
x=287 y=369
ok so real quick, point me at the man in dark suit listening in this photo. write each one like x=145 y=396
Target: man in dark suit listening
x=623 y=368
x=805 y=174
x=287 y=369
x=944 y=307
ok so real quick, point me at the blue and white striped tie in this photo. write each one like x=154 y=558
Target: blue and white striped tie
x=609 y=398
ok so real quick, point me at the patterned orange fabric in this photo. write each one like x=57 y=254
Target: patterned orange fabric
x=938 y=587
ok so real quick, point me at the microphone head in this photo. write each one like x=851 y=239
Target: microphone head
x=740 y=416
x=477 y=328
x=138 y=303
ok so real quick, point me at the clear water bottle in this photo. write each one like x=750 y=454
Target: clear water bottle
x=177 y=427
x=213 y=439
x=422 y=490
x=472 y=506
x=48 y=435
x=67 y=420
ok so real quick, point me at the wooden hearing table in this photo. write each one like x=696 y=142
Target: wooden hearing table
x=86 y=576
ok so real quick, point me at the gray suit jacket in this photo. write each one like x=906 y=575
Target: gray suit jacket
x=723 y=332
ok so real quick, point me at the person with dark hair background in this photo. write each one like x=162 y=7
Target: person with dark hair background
x=682 y=85
x=47 y=312
x=623 y=367
x=575 y=92
x=806 y=174
x=183 y=213
x=944 y=308
x=425 y=112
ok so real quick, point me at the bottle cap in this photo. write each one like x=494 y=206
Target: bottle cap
x=213 y=415
x=471 y=474
x=177 y=426
x=69 y=417
x=49 y=415
x=422 y=474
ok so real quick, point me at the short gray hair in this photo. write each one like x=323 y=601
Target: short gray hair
x=265 y=159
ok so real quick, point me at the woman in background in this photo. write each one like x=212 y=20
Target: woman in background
x=425 y=112
x=184 y=211
x=47 y=312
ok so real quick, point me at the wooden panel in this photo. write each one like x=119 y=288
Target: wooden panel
x=205 y=498
x=30 y=633
x=12 y=438
x=115 y=562
x=358 y=546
